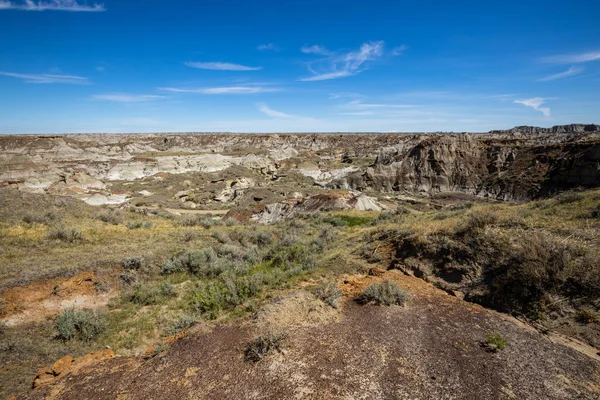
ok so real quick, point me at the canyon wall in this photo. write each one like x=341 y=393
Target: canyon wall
x=517 y=164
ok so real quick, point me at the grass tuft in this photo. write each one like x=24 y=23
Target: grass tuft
x=386 y=293
x=79 y=324
x=262 y=345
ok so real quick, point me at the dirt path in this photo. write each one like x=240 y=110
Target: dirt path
x=427 y=350
x=180 y=211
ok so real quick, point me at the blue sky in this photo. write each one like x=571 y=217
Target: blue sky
x=297 y=65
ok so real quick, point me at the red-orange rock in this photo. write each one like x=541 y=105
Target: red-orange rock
x=69 y=365
x=62 y=365
x=376 y=271
x=43 y=377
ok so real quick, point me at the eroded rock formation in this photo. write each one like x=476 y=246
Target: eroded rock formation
x=517 y=164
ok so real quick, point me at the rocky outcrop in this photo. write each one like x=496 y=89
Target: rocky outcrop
x=520 y=163
x=561 y=129
x=507 y=170
x=332 y=201
x=70 y=366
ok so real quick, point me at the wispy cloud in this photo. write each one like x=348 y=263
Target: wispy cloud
x=221 y=66
x=446 y=95
x=127 y=98
x=573 y=58
x=345 y=64
x=329 y=75
x=223 y=90
x=315 y=49
x=536 y=104
x=358 y=107
x=396 y=51
x=48 y=78
x=56 y=5
x=265 y=109
x=267 y=46
x=339 y=95
x=570 y=72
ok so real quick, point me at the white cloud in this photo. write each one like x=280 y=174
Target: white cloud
x=262 y=107
x=339 y=95
x=48 y=78
x=574 y=58
x=268 y=46
x=346 y=64
x=127 y=98
x=100 y=69
x=396 y=51
x=570 y=72
x=357 y=107
x=223 y=90
x=56 y=5
x=536 y=104
x=315 y=49
x=221 y=66
x=327 y=76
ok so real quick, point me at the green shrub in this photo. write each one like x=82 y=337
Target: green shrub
x=185 y=321
x=586 y=317
x=79 y=324
x=40 y=219
x=478 y=220
x=139 y=225
x=237 y=253
x=208 y=300
x=132 y=263
x=151 y=294
x=224 y=294
x=461 y=206
x=327 y=236
x=329 y=293
x=128 y=277
x=198 y=262
x=262 y=345
x=111 y=217
x=298 y=255
x=188 y=220
x=189 y=235
x=351 y=221
x=494 y=342
x=221 y=237
x=262 y=238
x=206 y=221
x=386 y=293
x=569 y=197
x=334 y=220
x=69 y=235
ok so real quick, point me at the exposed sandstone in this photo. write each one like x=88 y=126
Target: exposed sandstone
x=69 y=365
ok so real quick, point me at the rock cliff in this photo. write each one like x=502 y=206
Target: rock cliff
x=517 y=164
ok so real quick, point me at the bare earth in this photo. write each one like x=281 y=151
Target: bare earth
x=429 y=349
